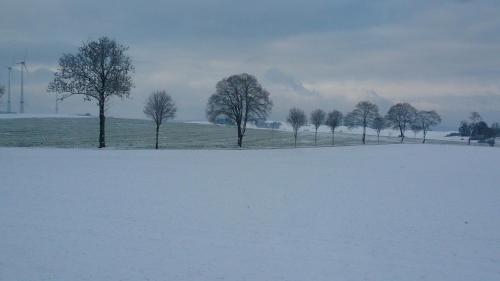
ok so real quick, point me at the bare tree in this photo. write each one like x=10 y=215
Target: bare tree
x=296 y=118
x=241 y=99
x=464 y=129
x=474 y=118
x=334 y=120
x=378 y=124
x=416 y=128
x=159 y=107
x=362 y=115
x=425 y=120
x=99 y=70
x=317 y=119
x=401 y=116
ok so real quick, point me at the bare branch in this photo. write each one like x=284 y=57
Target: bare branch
x=296 y=118
x=159 y=107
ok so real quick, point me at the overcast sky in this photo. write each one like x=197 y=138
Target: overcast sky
x=436 y=54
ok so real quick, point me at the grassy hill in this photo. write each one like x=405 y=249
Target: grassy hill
x=136 y=134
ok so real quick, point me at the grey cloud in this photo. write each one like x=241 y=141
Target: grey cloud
x=279 y=77
x=186 y=46
x=383 y=103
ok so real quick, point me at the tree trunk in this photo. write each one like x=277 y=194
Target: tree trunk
x=157 y=132
x=102 y=122
x=295 y=137
x=471 y=133
x=401 y=133
x=364 y=134
x=333 y=138
x=425 y=134
x=378 y=137
x=315 y=135
x=240 y=137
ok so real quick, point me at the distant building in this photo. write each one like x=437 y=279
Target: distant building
x=262 y=123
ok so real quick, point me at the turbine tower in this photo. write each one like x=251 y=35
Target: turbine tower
x=9 y=109
x=23 y=67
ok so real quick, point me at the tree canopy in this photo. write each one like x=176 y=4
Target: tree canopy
x=334 y=120
x=296 y=118
x=159 y=107
x=240 y=98
x=362 y=116
x=99 y=70
x=401 y=116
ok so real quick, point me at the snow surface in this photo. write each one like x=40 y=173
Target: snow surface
x=388 y=212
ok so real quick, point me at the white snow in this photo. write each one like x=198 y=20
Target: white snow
x=199 y=122
x=393 y=212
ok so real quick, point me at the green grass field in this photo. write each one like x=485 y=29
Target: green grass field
x=139 y=134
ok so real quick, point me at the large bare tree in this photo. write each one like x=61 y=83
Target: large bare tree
x=362 y=116
x=98 y=71
x=296 y=118
x=240 y=98
x=334 y=120
x=317 y=119
x=159 y=107
x=401 y=116
x=378 y=124
x=425 y=120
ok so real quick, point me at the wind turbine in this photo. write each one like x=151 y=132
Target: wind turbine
x=8 y=89
x=23 y=67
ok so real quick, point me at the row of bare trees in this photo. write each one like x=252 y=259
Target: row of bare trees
x=401 y=117
x=333 y=120
x=297 y=118
x=101 y=69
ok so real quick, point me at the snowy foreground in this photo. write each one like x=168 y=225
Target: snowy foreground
x=393 y=212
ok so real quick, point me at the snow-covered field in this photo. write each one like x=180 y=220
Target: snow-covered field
x=392 y=212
